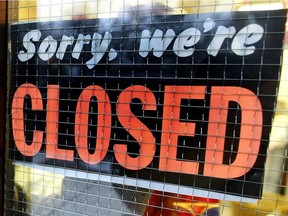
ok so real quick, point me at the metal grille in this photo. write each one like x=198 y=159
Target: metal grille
x=146 y=108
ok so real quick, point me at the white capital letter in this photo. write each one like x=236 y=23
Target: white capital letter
x=33 y=35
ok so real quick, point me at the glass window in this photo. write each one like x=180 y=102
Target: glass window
x=147 y=107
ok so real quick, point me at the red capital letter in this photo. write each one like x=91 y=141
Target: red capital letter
x=136 y=128
x=52 y=150
x=250 y=132
x=18 y=119
x=172 y=128
x=103 y=124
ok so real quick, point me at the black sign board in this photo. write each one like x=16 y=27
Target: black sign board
x=183 y=100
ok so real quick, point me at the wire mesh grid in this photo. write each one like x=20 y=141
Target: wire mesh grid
x=146 y=108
